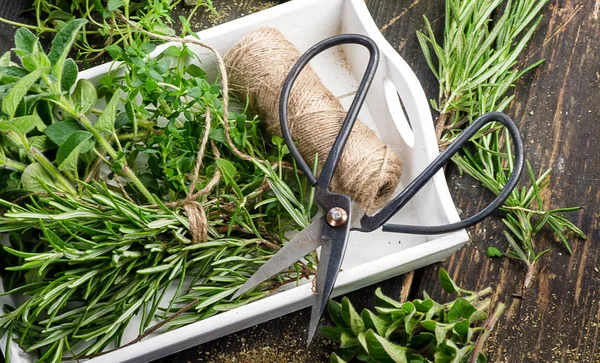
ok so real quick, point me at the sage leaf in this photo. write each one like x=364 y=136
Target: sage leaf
x=374 y=322
x=114 y=4
x=5 y=60
x=35 y=60
x=69 y=75
x=21 y=125
x=351 y=317
x=25 y=42
x=84 y=95
x=461 y=309
x=336 y=359
x=348 y=340
x=33 y=177
x=385 y=302
x=334 y=309
x=68 y=153
x=382 y=350
x=106 y=121
x=447 y=283
x=59 y=132
x=61 y=45
x=11 y=101
x=329 y=332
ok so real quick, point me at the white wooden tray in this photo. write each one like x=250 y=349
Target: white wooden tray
x=406 y=126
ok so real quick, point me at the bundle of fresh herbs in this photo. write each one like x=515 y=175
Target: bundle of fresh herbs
x=103 y=29
x=476 y=66
x=160 y=204
x=421 y=330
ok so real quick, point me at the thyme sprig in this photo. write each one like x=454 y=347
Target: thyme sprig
x=476 y=65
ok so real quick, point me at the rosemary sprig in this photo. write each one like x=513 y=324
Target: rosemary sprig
x=476 y=66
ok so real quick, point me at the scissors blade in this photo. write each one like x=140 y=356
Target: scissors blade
x=333 y=247
x=299 y=246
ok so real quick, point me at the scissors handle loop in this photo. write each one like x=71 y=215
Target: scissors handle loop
x=370 y=223
x=330 y=165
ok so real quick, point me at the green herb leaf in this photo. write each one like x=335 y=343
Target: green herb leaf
x=21 y=125
x=84 y=96
x=59 y=132
x=61 y=45
x=351 y=317
x=33 y=177
x=69 y=75
x=114 y=4
x=461 y=309
x=493 y=252
x=11 y=101
x=68 y=153
x=447 y=283
x=334 y=309
x=372 y=321
x=25 y=41
x=382 y=350
x=106 y=121
x=335 y=359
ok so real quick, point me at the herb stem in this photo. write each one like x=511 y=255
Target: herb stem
x=40 y=158
x=85 y=122
x=38 y=29
x=489 y=326
x=12 y=164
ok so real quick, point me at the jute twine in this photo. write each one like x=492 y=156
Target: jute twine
x=368 y=171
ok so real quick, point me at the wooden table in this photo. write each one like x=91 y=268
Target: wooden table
x=557 y=106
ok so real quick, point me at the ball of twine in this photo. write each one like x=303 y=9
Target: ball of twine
x=368 y=171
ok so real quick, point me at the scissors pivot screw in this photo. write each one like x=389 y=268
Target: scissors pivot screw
x=337 y=217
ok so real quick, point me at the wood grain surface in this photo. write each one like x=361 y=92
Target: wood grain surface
x=557 y=107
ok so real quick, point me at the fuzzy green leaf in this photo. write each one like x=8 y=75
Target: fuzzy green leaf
x=33 y=176
x=348 y=340
x=385 y=302
x=372 y=321
x=25 y=41
x=21 y=125
x=84 y=96
x=61 y=46
x=106 y=121
x=11 y=101
x=461 y=309
x=59 y=132
x=334 y=309
x=382 y=350
x=447 y=283
x=69 y=75
x=351 y=317
x=335 y=359
x=68 y=153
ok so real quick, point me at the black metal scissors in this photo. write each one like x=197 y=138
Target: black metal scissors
x=330 y=231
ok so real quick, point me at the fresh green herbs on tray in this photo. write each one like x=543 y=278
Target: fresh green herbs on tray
x=476 y=68
x=421 y=330
x=103 y=29
x=156 y=204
